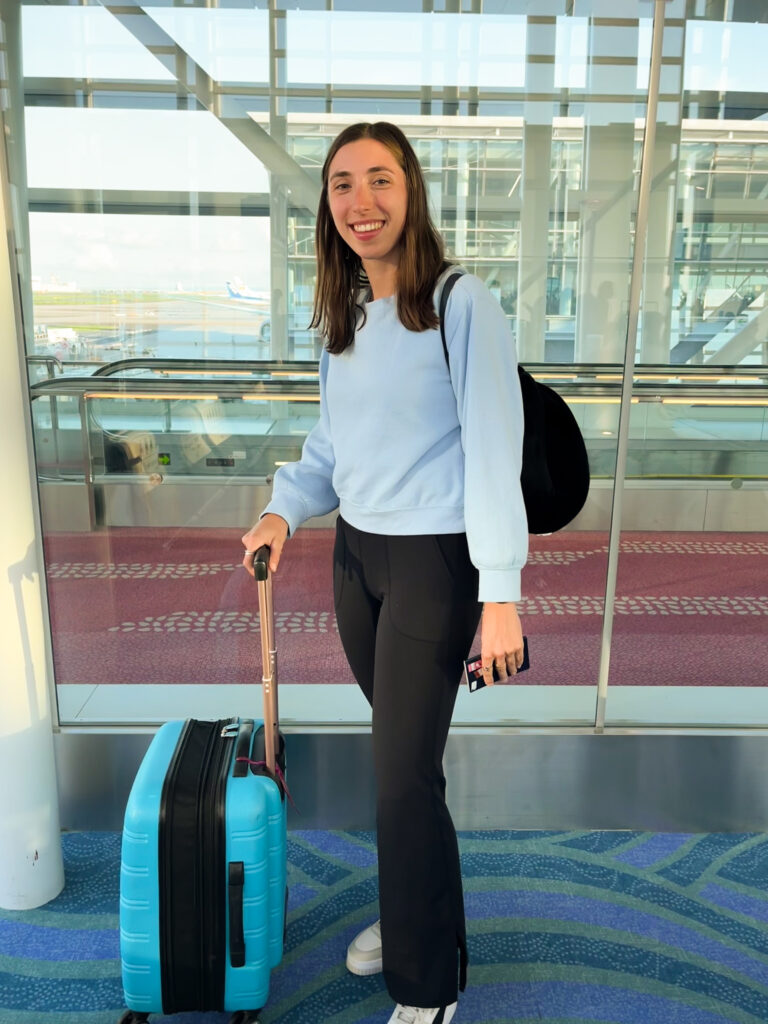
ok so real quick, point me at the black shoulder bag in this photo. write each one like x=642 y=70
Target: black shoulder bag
x=555 y=473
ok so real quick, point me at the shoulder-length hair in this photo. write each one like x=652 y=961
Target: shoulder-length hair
x=340 y=276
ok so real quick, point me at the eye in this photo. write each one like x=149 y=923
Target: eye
x=341 y=186
x=381 y=181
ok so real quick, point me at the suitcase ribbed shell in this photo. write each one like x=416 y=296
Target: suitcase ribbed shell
x=255 y=824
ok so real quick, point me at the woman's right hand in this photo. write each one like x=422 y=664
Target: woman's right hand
x=272 y=530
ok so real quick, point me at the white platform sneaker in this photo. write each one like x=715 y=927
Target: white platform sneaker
x=364 y=952
x=418 y=1015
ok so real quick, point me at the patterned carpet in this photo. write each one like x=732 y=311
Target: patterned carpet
x=564 y=928
x=175 y=606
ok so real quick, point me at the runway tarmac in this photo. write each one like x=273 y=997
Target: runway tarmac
x=204 y=325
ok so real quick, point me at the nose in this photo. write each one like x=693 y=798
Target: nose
x=361 y=196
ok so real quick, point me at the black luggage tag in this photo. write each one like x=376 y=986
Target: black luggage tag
x=473 y=670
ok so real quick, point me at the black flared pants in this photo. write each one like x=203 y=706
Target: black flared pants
x=407 y=611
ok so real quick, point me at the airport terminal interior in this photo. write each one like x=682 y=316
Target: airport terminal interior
x=602 y=166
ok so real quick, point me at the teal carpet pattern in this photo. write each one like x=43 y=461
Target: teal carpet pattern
x=563 y=928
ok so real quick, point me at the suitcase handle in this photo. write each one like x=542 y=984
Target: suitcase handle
x=236 y=931
x=268 y=656
x=261 y=562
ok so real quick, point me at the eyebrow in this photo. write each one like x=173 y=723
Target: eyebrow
x=371 y=170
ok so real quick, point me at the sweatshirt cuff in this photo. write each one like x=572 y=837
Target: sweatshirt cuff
x=292 y=510
x=499 y=585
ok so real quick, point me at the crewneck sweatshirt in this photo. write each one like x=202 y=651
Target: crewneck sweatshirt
x=405 y=446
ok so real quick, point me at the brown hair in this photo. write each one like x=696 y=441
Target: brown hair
x=339 y=270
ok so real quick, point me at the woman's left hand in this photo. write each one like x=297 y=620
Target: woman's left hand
x=502 y=640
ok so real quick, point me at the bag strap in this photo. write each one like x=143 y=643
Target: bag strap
x=447 y=288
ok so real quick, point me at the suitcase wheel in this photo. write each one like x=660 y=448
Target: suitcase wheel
x=245 y=1017
x=134 y=1017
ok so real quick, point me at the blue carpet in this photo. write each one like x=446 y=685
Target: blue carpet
x=564 y=928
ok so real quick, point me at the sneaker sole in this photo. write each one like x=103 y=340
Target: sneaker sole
x=364 y=968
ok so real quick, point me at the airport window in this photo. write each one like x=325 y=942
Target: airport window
x=166 y=194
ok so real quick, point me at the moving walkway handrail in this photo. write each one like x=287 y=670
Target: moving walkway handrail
x=237 y=367
x=49 y=362
x=644 y=390
x=556 y=374
x=596 y=384
x=131 y=387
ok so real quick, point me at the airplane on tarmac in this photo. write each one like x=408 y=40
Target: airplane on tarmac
x=259 y=301
x=242 y=296
x=237 y=290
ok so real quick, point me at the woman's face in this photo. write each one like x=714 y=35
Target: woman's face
x=368 y=199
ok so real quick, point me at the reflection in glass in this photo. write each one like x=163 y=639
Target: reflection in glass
x=176 y=222
x=690 y=604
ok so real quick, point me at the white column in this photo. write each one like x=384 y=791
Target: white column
x=535 y=194
x=606 y=246
x=535 y=204
x=660 y=311
x=31 y=868
x=279 y=283
x=607 y=199
x=657 y=312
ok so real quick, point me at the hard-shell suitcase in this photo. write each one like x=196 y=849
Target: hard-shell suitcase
x=203 y=872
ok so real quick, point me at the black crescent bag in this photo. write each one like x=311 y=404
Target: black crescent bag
x=555 y=473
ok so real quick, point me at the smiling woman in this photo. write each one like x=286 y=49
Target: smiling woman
x=368 y=200
x=371 y=175
x=166 y=151
x=405 y=450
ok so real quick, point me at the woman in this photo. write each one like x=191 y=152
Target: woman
x=424 y=466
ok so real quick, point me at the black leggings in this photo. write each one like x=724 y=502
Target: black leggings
x=407 y=611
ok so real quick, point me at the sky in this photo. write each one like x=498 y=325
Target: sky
x=191 y=151
x=113 y=251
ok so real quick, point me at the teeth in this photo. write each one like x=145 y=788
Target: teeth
x=372 y=226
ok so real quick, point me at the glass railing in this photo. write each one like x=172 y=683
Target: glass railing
x=150 y=471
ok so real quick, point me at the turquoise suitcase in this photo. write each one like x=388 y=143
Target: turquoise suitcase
x=203 y=870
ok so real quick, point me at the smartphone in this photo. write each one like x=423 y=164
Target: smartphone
x=473 y=669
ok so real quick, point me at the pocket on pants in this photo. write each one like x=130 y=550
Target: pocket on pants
x=339 y=562
x=432 y=585
x=453 y=550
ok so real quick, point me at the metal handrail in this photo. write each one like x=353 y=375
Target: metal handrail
x=309 y=390
x=755 y=375
x=239 y=367
x=107 y=387
x=595 y=383
x=47 y=361
x=549 y=372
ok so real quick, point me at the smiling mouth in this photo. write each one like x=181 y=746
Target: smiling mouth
x=367 y=227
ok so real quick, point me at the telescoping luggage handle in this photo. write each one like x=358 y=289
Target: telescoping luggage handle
x=268 y=657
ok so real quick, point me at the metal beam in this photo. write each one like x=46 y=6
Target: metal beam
x=195 y=82
x=163 y=203
x=635 y=287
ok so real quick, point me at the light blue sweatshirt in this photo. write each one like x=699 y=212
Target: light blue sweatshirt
x=402 y=447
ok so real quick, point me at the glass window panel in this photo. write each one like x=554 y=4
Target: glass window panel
x=230 y=45
x=722 y=56
x=535 y=194
x=354 y=48
x=139 y=150
x=149 y=286
x=84 y=42
x=689 y=585
x=571 y=53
